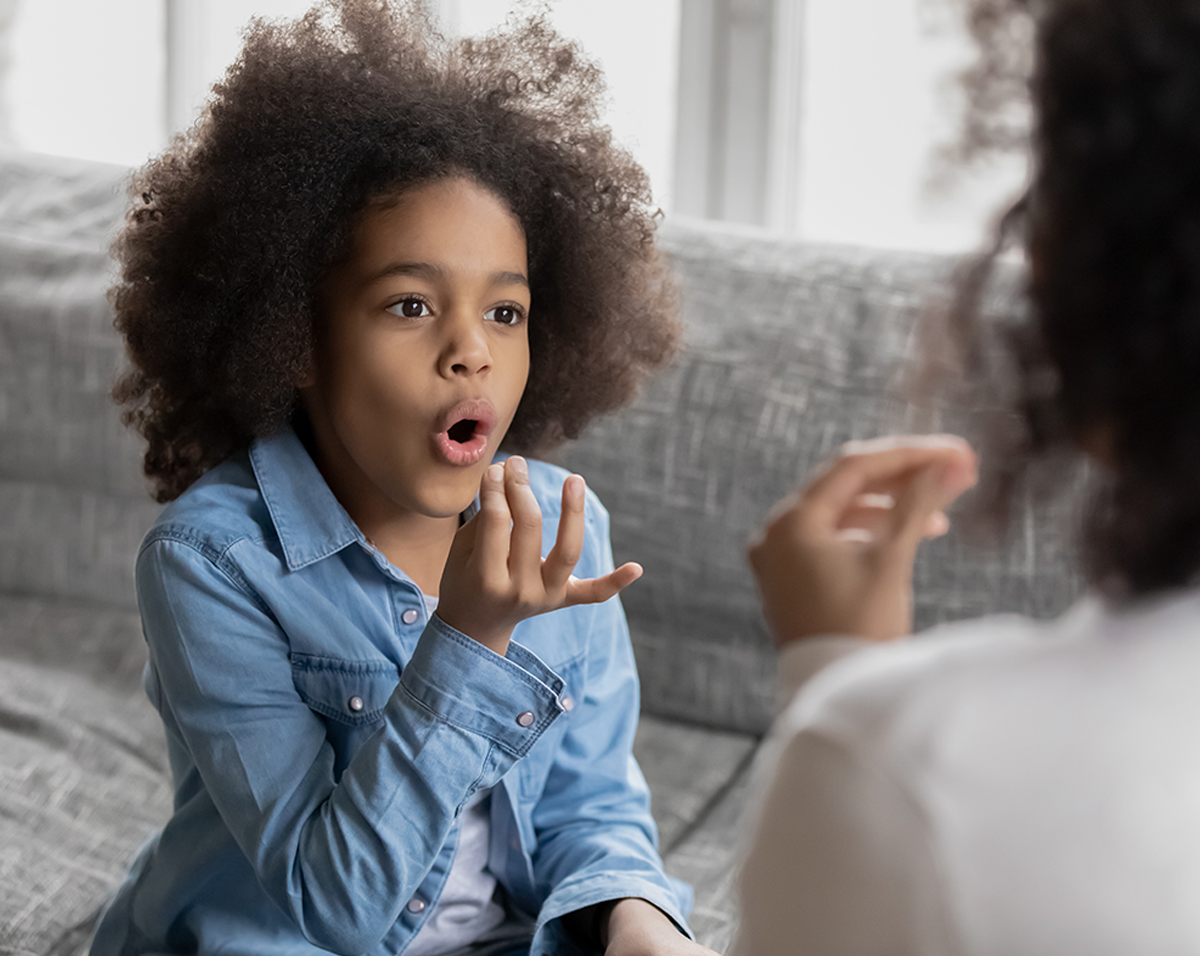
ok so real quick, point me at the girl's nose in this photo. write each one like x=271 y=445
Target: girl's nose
x=465 y=348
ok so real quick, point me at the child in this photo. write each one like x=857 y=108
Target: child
x=375 y=260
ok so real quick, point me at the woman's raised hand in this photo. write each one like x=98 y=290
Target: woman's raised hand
x=836 y=557
x=496 y=577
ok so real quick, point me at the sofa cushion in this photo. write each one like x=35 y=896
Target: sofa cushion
x=97 y=641
x=689 y=769
x=83 y=783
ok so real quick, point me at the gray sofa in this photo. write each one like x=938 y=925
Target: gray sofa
x=791 y=350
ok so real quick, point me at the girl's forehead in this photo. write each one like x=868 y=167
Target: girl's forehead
x=452 y=225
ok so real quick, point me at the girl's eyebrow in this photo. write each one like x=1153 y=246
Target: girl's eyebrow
x=426 y=270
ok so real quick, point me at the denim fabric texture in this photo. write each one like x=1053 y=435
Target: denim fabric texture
x=324 y=732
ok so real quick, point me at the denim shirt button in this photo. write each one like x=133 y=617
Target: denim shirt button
x=525 y=719
x=415 y=905
x=410 y=616
x=355 y=704
x=567 y=703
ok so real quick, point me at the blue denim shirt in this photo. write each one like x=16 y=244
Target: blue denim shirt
x=324 y=733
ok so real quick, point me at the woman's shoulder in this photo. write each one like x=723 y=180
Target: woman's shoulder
x=1004 y=671
x=867 y=696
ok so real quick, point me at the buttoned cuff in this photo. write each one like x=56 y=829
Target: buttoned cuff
x=509 y=700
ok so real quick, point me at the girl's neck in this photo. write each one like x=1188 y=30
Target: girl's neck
x=417 y=544
x=418 y=548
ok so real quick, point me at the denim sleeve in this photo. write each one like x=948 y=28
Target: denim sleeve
x=596 y=839
x=340 y=859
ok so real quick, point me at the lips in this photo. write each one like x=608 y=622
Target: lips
x=462 y=436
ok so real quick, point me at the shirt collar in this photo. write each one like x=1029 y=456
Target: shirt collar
x=310 y=521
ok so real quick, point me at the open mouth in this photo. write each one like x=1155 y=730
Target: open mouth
x=464 y=435
x=463 y=430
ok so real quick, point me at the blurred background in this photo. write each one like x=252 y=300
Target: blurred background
x=821 y=119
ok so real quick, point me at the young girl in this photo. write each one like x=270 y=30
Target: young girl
x=394 y=727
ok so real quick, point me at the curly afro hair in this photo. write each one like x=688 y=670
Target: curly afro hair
x=233 y=228
x=1110 y=357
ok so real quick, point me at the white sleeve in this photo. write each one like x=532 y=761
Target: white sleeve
x=839 y=862
x=800 y=660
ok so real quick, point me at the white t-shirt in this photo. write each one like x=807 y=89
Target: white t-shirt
x=997 y=787
x=466 y=912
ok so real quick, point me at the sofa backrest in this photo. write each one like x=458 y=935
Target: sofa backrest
x=790 y=350
x=73 y=506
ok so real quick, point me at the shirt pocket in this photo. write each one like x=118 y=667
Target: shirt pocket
x=348 y=695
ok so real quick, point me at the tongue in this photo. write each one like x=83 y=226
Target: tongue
x=462 y=431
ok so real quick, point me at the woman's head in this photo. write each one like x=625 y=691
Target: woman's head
x=1111 y=223
x=235 y=228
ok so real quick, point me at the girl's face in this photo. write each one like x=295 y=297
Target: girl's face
x=423 y=353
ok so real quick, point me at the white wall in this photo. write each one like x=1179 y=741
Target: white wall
x=876 y=106
x=636 y=43
x=88 y=76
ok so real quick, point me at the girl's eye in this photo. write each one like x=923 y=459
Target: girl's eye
x=506 y=315
x=410 y=308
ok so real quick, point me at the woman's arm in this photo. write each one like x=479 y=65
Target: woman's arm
x=839 y=862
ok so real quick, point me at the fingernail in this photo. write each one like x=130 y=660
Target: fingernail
x=495 y=473
x=574 y=487
x=519 y=467
x=956 y=479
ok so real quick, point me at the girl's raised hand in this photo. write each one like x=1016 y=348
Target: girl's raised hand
x=837 y=556
x=496 y=577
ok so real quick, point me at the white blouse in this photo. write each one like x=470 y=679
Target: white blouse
x=996 y=787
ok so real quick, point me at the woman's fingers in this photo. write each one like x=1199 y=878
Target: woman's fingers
x=598 y=590
x=870 y=515
x=866 y=467
x=561 y=561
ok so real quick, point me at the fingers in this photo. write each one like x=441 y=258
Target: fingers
x=598 y=590
x=568 y=546
x=493 y=521
x=918 y=503
x=525 y=548
x=867 y=467
x=871 y=515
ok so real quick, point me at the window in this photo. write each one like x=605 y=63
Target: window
x=816 y=118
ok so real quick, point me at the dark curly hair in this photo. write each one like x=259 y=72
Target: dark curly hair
x=1109 y=357
x=234 y=226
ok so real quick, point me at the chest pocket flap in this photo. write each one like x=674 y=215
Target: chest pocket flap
x=349 y=691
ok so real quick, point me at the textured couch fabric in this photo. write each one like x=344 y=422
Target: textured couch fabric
x=791 y=350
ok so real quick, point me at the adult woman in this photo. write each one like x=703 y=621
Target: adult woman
x=1009 y=786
